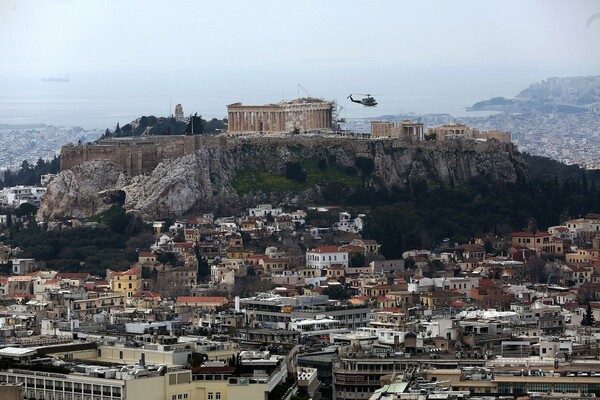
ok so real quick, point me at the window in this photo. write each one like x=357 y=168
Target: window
x=504 y=387
x=539 y=387
x=210 y=396
x=565 y=387
x=218 y=396
x=120 y=355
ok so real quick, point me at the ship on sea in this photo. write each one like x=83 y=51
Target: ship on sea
x=65 y=79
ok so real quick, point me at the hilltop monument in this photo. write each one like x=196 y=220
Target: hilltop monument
x=179 y=113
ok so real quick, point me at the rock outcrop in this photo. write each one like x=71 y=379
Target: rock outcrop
x=82 y=191
x=204 y=180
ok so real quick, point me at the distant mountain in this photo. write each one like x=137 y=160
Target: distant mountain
x=564 y=95
x=22 y=126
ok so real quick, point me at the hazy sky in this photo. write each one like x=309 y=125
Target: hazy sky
x=354 y=45
x=202 y=35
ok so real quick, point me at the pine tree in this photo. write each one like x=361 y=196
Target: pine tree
x=588 y=318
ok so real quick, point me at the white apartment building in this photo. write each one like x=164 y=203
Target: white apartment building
x=17 y=195
x=262 y=210
x=322 y=257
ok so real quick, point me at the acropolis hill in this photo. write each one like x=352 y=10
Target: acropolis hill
x=140 y=155
x=165 y=176
x=169 y=176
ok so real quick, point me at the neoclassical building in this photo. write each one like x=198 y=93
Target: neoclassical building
x=304 y=114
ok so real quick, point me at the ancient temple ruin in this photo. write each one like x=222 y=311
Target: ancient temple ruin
x=306 y=114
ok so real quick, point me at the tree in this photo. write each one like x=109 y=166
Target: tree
x=295 y=172
x=357 y=260
x=196 y=125
x=336 y=292
x=26 y=210
x=365 y=165
x=532 y=226
x=588 y=318
x=322 y=164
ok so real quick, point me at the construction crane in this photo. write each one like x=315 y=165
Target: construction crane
x=304 y=90
x=337 y=113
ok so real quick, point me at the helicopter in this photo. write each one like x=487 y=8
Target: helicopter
x=367 y=101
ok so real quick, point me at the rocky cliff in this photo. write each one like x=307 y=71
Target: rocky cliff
x=210 y=177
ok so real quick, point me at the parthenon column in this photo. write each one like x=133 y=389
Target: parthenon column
x=271 y=121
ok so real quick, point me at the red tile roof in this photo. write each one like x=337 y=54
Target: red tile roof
x=147 y=293
x=131 y=271
x=352 y=248
x=188 y=245
x=201 y=299
x=528 y=234
x=327 y=249
x=72 y=275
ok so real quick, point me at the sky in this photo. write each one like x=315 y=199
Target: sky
x=205 y=52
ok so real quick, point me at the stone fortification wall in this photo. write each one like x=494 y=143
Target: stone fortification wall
x=134 y=156
x=141 y=156
x=199 y=172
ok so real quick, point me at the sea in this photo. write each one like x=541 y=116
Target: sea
x=101 y=99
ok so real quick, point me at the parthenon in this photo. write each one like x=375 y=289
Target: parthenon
x=302 y=114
